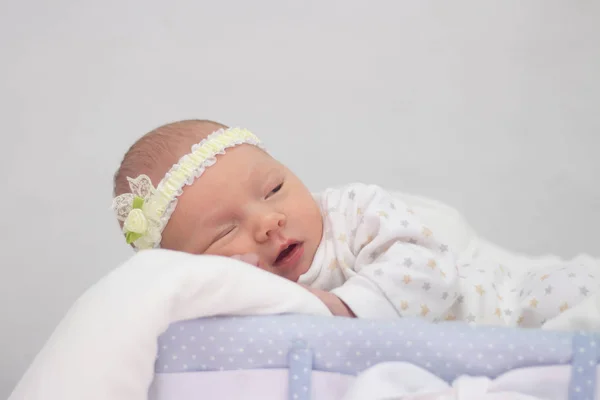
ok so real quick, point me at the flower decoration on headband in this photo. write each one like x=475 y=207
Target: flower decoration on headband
x=146 y=210
x=140 y=225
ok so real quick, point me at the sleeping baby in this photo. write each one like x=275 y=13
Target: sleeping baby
x=203 y=188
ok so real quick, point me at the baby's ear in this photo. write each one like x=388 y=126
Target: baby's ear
x=249 y=258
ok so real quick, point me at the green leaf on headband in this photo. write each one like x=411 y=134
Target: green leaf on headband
x=131 y=237
x=138 y=202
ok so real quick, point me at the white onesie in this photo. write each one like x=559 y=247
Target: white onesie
x=379 y=259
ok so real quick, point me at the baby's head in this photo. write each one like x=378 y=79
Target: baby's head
x=246 y=203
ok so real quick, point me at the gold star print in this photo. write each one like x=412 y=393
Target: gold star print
x=501 y=268
x=342 y=238
x=404 y=305
x=407 y=279
x=450 y=317
x=431 y=264
x=564 y=307
x=333 y=265
x=533 y=303
x=520 y=320
x=410 y=211
x=544 y=277
x=382 y=214
x=498 y=313
x=426 y=232
x=424 y=310
x=479 y=289
x=442 y=273
x=359 y=211
x=500 y=297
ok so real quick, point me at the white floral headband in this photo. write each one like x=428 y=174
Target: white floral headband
x=146 y=210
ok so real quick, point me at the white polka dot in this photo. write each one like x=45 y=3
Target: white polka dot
x=165 y=367
x=211 y=338
x=295 y=377
x=348 y=363
x=305 y=388
x=438 y=355
x=269 y=362
x=328 y=365
x=408 y=343
x=577 y=389
x=164 y=347
x=173 y=337
x=193 y=356
x=212 y=358
x=174 y=357
x=181 y=328
x=581 y=350
x=377 y=354
x=418 y=355
x=280 y=352
x=479 y=356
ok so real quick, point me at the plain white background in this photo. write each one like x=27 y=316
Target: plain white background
x=491 y=107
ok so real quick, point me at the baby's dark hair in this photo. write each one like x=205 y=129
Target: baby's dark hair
x=156 y=152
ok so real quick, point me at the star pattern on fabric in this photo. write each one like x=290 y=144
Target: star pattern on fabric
x=470 y=318
x=534 y=303
x=404 y=223
x=382 y=214
x=479 y=289
x=426 y=286
x=404 y=305
x=378 y=272
x=432 y=263
x=564 y=307
x=548 y=290
x=445 y=295
x=443 y=248
x=583 y=291
x=407 y=279
x=359 y=211
x=342 y=238
x=392 y=206
x=544 y=277
x=333 y=265
x=351 y=195
x=450 y=317
x=507 y=312
x=408 y=262
x=426 y=232
x=498 y=312
x=424 y=310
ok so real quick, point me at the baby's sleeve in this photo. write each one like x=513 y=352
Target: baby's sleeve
x=401 y=268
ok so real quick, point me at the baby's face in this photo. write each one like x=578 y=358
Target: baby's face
x=248 y=203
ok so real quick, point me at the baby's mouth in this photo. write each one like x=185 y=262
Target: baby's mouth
x=288 y=254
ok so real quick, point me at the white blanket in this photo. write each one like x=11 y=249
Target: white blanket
x=105 y=347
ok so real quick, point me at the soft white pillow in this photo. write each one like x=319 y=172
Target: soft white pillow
x=106 y=345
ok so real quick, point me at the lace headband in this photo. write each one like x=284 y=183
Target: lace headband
x=146 y=210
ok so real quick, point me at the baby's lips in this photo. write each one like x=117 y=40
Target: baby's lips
x=249 y=258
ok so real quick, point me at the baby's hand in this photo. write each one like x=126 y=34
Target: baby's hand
x=337 y=307
x=247 y=258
